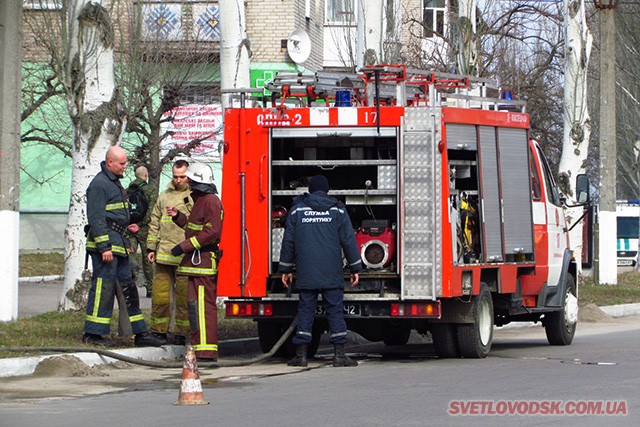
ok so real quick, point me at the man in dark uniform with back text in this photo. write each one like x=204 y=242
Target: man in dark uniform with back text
x=317 y=231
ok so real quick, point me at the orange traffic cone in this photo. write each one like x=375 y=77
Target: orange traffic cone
x=190 y=389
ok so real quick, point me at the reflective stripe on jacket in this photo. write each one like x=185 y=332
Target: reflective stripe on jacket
x=107 y=208
x=164 y=234
x=202 y=229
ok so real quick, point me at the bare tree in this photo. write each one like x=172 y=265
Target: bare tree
x=157 y=74
x=577 y=121
x=114 y=81
x=628 y=100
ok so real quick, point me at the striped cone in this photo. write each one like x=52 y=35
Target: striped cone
x=190 y=389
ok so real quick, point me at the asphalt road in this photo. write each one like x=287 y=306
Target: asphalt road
x=392 y=386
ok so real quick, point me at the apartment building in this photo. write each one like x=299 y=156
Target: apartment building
x=300 y=35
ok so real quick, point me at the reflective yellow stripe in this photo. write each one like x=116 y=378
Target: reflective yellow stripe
x=160 y=320
x=195 y=243
x=95 y=319
x=116 y=206
x=202 y=347
x=202 y=319
x=182 y=323
x=194 y=227
x=152 y=238
x=166 y=218
x=100 y=239
x=118 y=249
x=198 y=270
x=175 y=260
x=136 y=318
x=96 y=298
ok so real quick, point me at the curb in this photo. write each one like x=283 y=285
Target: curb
x=20 y=366
x=621 y=310
x=37 y=279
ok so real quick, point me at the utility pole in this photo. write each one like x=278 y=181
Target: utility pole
x=606 y=260
x=10 y=101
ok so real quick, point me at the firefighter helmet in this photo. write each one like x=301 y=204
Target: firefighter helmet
x=200 y=172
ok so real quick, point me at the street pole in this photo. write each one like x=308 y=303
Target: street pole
x=10 y=102
x=607 y=259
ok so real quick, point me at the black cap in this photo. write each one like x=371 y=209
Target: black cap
x=318 y=183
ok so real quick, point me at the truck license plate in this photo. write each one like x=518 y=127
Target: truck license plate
x=348 y=309
x=623 y=262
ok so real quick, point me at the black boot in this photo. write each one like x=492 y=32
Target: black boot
x=98 y=340
x=301 y=356
x=147 y=339
x=340 y=358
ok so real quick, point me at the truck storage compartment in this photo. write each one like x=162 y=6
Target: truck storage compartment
x=361 y=166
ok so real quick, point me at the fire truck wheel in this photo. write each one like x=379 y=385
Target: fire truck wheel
x=269 y=332
x=397 y=335
x=444 y=340
x=560 y=326
x=474 y=340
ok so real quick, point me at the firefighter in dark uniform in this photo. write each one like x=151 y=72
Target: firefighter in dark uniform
x=109 y=246
x=200 y=261
x=317 y=231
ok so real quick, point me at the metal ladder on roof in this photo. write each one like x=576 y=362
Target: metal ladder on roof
x=392 y=84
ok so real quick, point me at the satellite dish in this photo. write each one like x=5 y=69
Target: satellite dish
x=299 y=46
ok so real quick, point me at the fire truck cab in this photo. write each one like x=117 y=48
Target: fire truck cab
x=459 y=223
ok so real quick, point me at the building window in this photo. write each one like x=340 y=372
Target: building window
x=340 y=12
x=42 y=4
x=199 y=93
x=433 y=18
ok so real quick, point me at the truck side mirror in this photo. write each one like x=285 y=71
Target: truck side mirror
x=582 y=189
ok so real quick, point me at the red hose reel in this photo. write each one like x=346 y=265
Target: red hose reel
x=377 y=243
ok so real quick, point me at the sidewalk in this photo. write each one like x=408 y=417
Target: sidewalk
x=37 y=295
x=41 y=294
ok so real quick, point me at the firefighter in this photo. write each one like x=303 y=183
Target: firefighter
x=164 y=234
x=109 y=246
x=317 y=231
x=140 y=238
x=201 y=256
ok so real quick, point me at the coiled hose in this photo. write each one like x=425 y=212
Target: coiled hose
x=154 y=364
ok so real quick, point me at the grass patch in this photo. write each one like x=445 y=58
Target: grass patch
x=627 y=290
x=41 y=264
x=65 y=329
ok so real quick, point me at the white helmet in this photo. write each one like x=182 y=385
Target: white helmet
x=200 y=172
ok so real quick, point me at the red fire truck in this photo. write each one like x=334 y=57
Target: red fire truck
x=458 y=219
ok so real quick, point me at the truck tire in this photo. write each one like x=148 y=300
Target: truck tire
x=269 y=332
x=560 y=326
x=474 y=340
x=445 y=342
x=397 y=335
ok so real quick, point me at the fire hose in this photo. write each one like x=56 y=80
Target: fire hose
x=153 y=364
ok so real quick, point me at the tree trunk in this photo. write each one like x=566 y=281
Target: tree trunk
x=577 y=123
x=234 y=48
x=465 y=38
x=93 y=105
